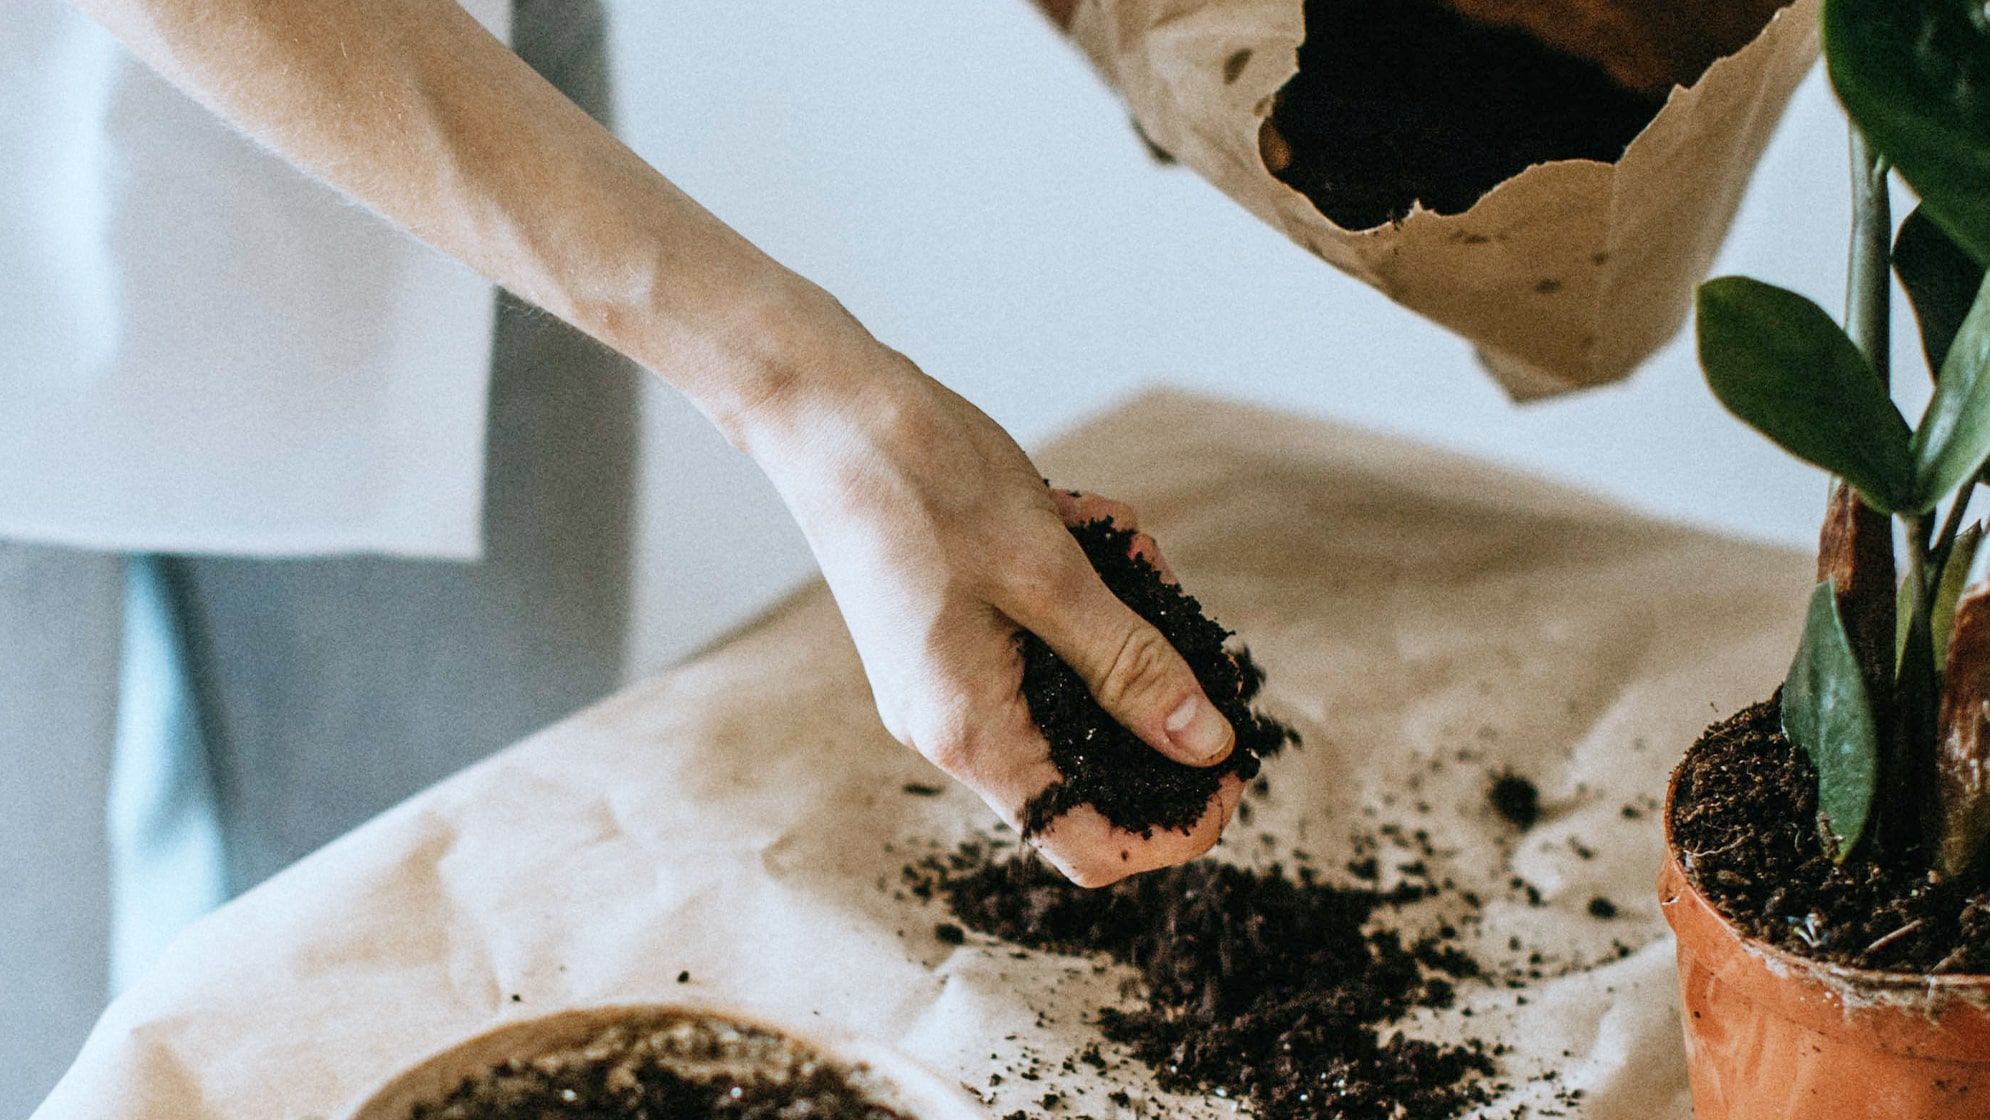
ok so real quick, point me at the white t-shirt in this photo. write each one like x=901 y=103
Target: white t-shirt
x=203 y=350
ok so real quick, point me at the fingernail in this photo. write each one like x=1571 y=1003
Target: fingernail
x=1199 y=730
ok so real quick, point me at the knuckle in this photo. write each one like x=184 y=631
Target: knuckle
x=1138 y=669
x=947 y=741
x=1045 y=579
x=896 y=722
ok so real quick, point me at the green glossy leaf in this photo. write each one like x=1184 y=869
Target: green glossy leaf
x=1828 y=713
x=1778 y=362
x=1953 y=440
x=1958 y=572
x=1941 y=279
x=1915 y=76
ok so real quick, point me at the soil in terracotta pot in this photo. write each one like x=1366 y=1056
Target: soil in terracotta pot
x=1276 y=991
x=1108 y=767
x=1404 y=101
x=679 y=1068
x=1745 y=821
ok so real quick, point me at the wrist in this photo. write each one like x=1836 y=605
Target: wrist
x=775 y=357
x=819 y=381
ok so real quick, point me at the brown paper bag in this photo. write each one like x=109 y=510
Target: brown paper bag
x=1566 y=275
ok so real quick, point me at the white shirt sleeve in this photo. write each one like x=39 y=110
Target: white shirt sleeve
x=204 y=350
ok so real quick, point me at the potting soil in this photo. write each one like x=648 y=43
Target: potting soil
x=1108 y=767
x=1400 y=102
x=1263 y=987
x=672 y=1069
x=1744 y=819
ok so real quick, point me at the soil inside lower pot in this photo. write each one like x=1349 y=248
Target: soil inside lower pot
x=1744 y=820
x=1275 y=991
x=680 y=1068
x=1398 y=102
x=1102 y=763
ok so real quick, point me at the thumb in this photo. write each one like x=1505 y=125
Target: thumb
x=1130 y=668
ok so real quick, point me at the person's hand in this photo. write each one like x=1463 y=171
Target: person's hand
x=940 y=540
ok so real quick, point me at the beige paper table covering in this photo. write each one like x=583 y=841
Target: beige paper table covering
x=742 y=818
x=1565 y=276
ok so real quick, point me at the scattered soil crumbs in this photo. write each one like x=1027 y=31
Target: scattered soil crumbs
x=1405 y=101
x=1105 y=765
x=1516 y=799
x=675 y=1068
x=1256 y=986
x=1745 y=821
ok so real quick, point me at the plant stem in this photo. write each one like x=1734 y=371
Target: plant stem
x=1917 y=561
x=1868 y=280
x=1868 y=306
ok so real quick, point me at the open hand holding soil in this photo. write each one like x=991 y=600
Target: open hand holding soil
x=1106 y=766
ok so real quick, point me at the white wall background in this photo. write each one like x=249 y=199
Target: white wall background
x=957 y=175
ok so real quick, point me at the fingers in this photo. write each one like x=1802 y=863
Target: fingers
x=1130 y=668
x=1077 y=508
x=1132 y=671
x=1004 y=760
x=1086 y=849
x=1082 y=509
x=1148 y=549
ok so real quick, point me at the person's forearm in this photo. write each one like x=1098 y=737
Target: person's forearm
x=412 y=108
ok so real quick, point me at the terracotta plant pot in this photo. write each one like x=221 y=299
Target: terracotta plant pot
x=890 y=1077
x=1773 y=1036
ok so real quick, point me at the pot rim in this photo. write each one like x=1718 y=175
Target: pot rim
x=1973 y=987
x=903 y=1082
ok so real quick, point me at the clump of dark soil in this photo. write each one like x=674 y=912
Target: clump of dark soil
x=1102 y=763
x=1398 y=102
x=678 y=1068
x=1744 y=819
x=1259 y=987
x=1516 y=799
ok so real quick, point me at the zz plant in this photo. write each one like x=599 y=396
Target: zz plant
x=1889 y=694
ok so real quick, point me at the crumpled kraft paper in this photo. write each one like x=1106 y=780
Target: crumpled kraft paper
x=1565 y=276
x=1425 y=619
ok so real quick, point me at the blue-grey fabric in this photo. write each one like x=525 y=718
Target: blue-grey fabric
x=332 y=688
x=327 y=689
x=60 y=618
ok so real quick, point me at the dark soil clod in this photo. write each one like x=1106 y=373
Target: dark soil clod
x=1516 y=799
x=1103 y=764
x=1256 y=986
x=1404 y=101
x=1744 y=820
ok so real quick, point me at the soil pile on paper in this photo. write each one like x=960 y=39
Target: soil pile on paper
x=1745 y=823
x=678 y=1068
x=1272 y=990
x=1399 y=102
x=1102 y=763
